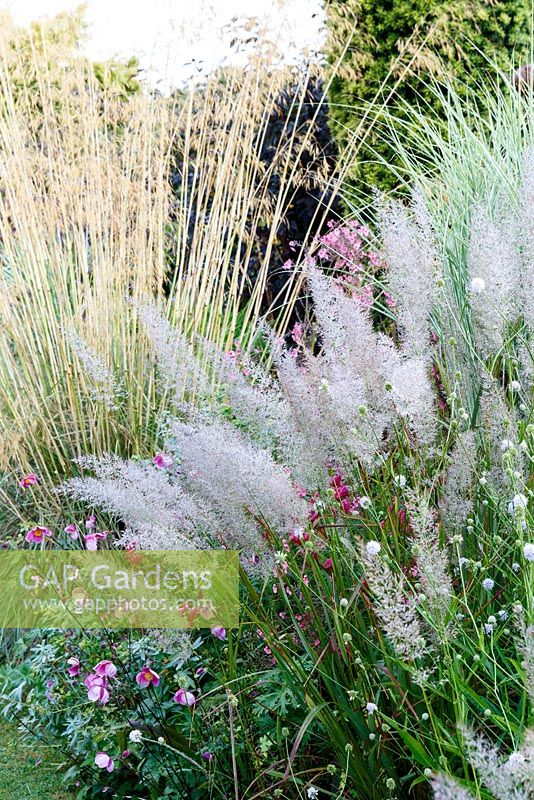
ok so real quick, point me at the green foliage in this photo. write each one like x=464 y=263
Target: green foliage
x=239 y=716
x=50 y=47
x=396 y=47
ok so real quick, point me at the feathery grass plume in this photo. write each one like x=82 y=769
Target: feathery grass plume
x=457 y=502
x=274 y=410
x=432 y=564
x=318 y=436
x=413 y=396
x=526 y=233
x=395 y=608
x=446 y=788
x=390 y=385
x=103 y=386
x=156 y=510
x=179 y=369
x=500 y=431
x=246 y=491
x=493 y=270
x=410 y=252
x=506 y=779
x=251 y=392
x=339 y=395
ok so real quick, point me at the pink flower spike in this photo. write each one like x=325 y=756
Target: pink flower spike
x=91 y=542
x=219 y=633
x=162 y=461
x=74 y=666
x=90 y=522
x=72 y=530
x=146 y=677
x=103 y=761
x=37 y=534
x=106 y=669
x=185 y=698
x=28 y=480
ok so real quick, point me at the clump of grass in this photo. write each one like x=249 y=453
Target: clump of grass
x=88 y=219
x=396 y=539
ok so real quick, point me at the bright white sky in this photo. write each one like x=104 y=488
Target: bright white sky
x=168 y=35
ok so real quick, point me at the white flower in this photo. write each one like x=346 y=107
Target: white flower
x=135 y=736
x=478 y=285
x=515 y=567
x=364 y=502
x=373 y=548
x=528 y=551
x=515 y=386
x=488 y=627
x=520 y=501
x=503 y=614
x=312 y=792
x=488 y=584
x=371 y=708
x=400 y=481
x=506 y=444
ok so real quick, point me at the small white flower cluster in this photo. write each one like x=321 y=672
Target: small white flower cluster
x=373 y=548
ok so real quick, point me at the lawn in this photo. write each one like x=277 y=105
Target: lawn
x=28 y=770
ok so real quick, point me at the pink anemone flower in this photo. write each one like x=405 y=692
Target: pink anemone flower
x=105 y=669
x=74 y=666
x=91 y=542
x=72 y=530
x=97 y=690
x=185 y=698
x=104 y=761
x=162 y=461
x=92 y=539
x=28 y=480
x=37 y=534
x=146 y=677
